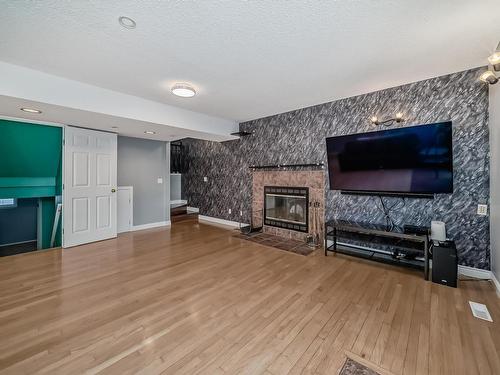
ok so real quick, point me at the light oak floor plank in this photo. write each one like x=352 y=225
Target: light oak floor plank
x=193 y=299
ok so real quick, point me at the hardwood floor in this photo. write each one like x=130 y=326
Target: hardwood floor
x=195 y=300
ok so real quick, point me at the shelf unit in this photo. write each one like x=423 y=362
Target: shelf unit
x=378 y=243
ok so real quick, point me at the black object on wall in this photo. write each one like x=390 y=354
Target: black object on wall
x=409 y=160
x=298 y=136
x=289 y=166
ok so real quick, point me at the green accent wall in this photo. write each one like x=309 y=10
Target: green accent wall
x=31 y=167
x=30 y=160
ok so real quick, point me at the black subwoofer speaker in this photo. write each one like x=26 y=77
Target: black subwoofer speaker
x=444 y=263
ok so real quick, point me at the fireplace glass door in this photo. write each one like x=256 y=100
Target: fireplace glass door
x=286 y=207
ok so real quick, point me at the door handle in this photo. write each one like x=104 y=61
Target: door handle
x=113 y=190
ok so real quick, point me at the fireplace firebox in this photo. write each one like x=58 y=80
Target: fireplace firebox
x=287 y=207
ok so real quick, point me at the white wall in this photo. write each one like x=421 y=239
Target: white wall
x=495 y=178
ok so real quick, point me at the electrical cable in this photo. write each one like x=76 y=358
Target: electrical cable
x=388 y=221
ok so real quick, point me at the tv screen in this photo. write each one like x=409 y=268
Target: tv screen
x=411 y=160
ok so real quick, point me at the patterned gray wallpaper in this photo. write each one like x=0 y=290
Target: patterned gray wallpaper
x=299 y=137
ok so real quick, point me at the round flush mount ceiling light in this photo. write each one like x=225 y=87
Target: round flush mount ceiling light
x=31 y=110
x=127 y=22
x=183 y=90
x=150 y=132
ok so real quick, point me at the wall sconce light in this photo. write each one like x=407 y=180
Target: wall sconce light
x=490 y=76
x=397 y=118
x=494 y=59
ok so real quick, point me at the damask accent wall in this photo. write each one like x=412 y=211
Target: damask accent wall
x=299 y=137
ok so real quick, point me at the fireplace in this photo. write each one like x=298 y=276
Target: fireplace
x=287 y=207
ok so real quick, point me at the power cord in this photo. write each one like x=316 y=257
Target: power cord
x=387 y=212
x=388 y=221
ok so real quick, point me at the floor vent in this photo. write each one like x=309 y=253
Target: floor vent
x=480 y=311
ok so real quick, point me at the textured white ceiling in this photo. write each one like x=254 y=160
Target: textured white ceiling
x=249 y=59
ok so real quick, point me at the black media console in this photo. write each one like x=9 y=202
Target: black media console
x=379 y=243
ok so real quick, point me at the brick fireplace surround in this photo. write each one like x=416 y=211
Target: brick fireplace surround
x=314 y=180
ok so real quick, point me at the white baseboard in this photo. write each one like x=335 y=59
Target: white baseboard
x=210 y=219
x=496 y=283
x=192 y=210
x=474 y=272
x=179 y=201
x=151 y=225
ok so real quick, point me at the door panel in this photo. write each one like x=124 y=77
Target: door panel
x=103 y=212
x=81 y=214
x=103 y=170
x=89 y=186
x=81 y=169
x=80 y=140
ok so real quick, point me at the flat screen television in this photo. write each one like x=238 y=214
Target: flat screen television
x=416 y=160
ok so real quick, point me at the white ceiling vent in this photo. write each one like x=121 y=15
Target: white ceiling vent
x=480 y=311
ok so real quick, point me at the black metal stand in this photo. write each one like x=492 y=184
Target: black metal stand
x=376 y=243
x=252 y=228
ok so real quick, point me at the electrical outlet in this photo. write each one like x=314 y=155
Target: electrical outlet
x=482 y=209
x=205 y=179
x=160 y=180
x=229 y=211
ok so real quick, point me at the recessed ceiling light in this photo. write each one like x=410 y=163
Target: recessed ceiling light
x=149 y=132
x=31 y=110
x=183 y=90
x=127 y=22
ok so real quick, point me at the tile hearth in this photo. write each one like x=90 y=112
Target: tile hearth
x=287 y=244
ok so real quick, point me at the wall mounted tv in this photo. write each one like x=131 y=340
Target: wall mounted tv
x=416 y=160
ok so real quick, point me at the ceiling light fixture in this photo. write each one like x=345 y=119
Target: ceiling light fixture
x=127 y=22
x=490 y=76
x=150 y=132
x=183 y=90
x=31 y=110
x=397 y=118
x=494 y=59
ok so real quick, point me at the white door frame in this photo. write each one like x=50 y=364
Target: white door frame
x=131 y=218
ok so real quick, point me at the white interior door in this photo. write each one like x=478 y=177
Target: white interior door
x=125 y=208
x=89 y=205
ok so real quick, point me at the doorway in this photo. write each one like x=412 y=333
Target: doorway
x=125 y=208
